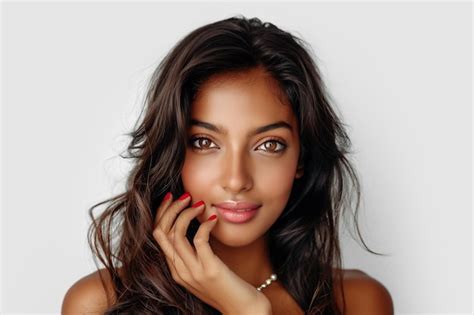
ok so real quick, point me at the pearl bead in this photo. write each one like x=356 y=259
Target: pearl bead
x=267 y=282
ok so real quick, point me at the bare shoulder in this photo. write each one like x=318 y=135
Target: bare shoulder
x=363 y=294
x=88 y=294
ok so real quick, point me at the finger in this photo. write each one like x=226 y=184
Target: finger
x=179 y=272
x=167 y=200
x=190 y=287
x=181 y=243
x=201 y=241
x=175 y=263
x=169 y=215
x=163 y=241
x=178 y=269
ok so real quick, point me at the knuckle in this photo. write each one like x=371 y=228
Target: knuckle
x=175 y=275
x=198 y=241
x=187 y=213
x=211 y=274
x=177 y=278
x=172 y=211
x=184 y=217
x=178 y=223
x=180 y=204
x=186 y=277
x=199 y=276
x=158 y=233
x=197 y=273
x=160 y=210
x=171 y=237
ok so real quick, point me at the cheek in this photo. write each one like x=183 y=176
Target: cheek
x=275 y=184
x=276 y=175
x=199 y=178
x=196 y=175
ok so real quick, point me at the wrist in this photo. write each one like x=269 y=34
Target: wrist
x=266 y=310
x=264 y=307
x=261 y=309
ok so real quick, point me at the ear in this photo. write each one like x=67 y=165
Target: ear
x=300 y=169
x=299 y=172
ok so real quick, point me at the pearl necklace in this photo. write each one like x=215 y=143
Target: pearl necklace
x=267 y=282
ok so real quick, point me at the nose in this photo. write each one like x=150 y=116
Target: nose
x=237 y=172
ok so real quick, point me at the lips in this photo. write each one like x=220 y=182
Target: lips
x=237 y=216
x=239 y=206
x=237 y=211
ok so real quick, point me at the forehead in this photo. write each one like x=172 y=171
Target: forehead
x=250 y=97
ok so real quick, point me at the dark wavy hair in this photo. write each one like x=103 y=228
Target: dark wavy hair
x=303 y=242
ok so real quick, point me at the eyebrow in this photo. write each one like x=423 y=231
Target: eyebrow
x=220 y=129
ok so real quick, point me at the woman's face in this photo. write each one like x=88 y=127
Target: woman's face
x=236 y=164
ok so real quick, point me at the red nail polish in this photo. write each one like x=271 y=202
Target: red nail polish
x=184 y=196
x=197 y=204
x=212 y=217
x=167 y=196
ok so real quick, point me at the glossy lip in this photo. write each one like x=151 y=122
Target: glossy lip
x=237 y=205
x=237 y=216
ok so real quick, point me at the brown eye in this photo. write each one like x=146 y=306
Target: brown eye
x=271 y=145
x=203 y=143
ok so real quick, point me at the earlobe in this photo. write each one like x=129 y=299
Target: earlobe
x=299 y=172
x=300 y=167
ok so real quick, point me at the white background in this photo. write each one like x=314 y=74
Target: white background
x=73 y=78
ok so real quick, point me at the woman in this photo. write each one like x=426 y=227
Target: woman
x=240 y=178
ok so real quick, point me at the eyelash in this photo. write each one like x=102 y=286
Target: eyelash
x=193 y=139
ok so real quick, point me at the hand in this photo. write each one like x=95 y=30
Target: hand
x=197 y=268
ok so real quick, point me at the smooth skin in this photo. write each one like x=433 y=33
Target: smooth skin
x=234 y=164
x=364 y=295
x=199 y=270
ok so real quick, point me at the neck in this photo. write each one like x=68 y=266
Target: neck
x=250 y=262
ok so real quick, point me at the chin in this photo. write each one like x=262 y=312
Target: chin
x=233 y=234
x=228 y=236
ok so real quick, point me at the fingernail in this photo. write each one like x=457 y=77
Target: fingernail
x=197 y=204
x=212 y=217
x=184 y=196
x=167 y=196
